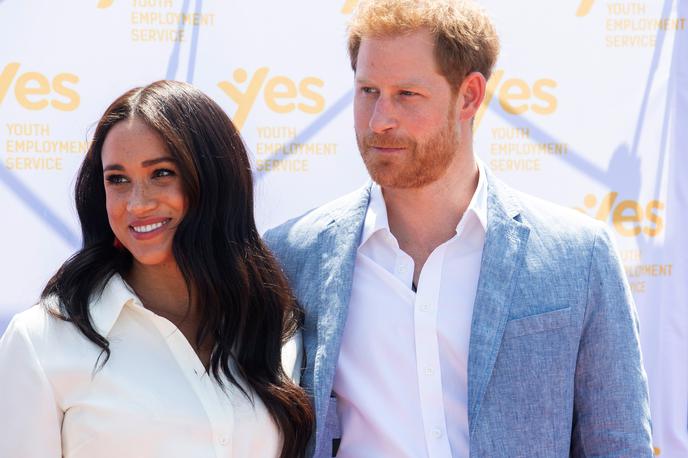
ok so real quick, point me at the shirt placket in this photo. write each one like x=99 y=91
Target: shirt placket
x=428 y=369
x=219 y=411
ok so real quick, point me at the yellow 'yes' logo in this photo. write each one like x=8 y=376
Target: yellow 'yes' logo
x=102 y=4
x=516 y=96
x=584 y=8
x=281 y=94
x=34 y=91
x=349 y=6
x=628 y=217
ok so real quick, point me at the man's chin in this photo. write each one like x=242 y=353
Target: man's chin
x=394 y=181
x=389 y=173
x=391 y=178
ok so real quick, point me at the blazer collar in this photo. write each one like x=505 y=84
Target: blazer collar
x=338 y=245
x=503 y=253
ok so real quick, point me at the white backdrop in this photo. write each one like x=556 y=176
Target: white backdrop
x=588 y=107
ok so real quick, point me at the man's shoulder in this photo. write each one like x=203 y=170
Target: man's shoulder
x=557 y=218
x=303 y=231
x=554 y=223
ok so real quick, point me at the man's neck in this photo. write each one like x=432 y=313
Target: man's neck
x=423 y=218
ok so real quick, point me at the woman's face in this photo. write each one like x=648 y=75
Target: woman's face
x=143 y=191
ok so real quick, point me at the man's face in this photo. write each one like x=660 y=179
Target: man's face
x=404 y=111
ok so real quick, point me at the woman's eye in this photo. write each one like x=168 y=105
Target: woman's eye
x=160 y=173
x=116 y=179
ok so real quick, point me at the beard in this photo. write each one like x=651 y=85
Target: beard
x=420 y=164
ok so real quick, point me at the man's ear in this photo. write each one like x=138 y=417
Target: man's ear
x=470 y=97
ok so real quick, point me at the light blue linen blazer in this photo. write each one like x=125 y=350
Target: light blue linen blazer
x=554 y=363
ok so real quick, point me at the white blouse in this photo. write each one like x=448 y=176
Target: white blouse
x=151 y=399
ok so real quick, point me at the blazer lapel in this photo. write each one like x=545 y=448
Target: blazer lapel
x=503 y=252
x=338 y=245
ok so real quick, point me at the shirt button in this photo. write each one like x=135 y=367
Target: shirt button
x=425 y=307
x=224 y=441
x=429 y=371
x=436 y=433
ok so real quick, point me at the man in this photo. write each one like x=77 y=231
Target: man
x=446 y=314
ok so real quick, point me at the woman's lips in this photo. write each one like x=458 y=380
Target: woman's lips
x=149 y=228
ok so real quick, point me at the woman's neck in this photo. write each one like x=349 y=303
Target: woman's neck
x=161 y=288
x=163 y=291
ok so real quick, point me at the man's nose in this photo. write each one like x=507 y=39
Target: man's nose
x=384 y=116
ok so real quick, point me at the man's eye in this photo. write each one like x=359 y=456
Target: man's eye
x=408 y=93
x=116 y=179
x=368 y=90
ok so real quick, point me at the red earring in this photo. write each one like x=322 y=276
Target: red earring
x=117 y=244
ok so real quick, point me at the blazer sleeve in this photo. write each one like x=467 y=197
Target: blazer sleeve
x=611 y=402
x=30 y=420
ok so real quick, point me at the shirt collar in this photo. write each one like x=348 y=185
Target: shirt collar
x=106 y=309
x=376 y=215
x=478 y=206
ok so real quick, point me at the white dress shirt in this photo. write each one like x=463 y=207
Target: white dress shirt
x=151 y=399
x=401 y=378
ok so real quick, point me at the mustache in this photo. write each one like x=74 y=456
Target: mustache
x=386 y=141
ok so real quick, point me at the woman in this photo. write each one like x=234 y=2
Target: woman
x=162 y=336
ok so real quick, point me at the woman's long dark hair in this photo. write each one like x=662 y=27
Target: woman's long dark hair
x=247 y=308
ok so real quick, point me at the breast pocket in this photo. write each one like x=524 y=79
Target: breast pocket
x=541 y=322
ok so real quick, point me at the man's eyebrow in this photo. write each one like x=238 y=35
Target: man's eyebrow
x=399 y=84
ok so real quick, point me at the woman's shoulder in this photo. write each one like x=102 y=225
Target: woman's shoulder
x=40 y=324
x=37 y=316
